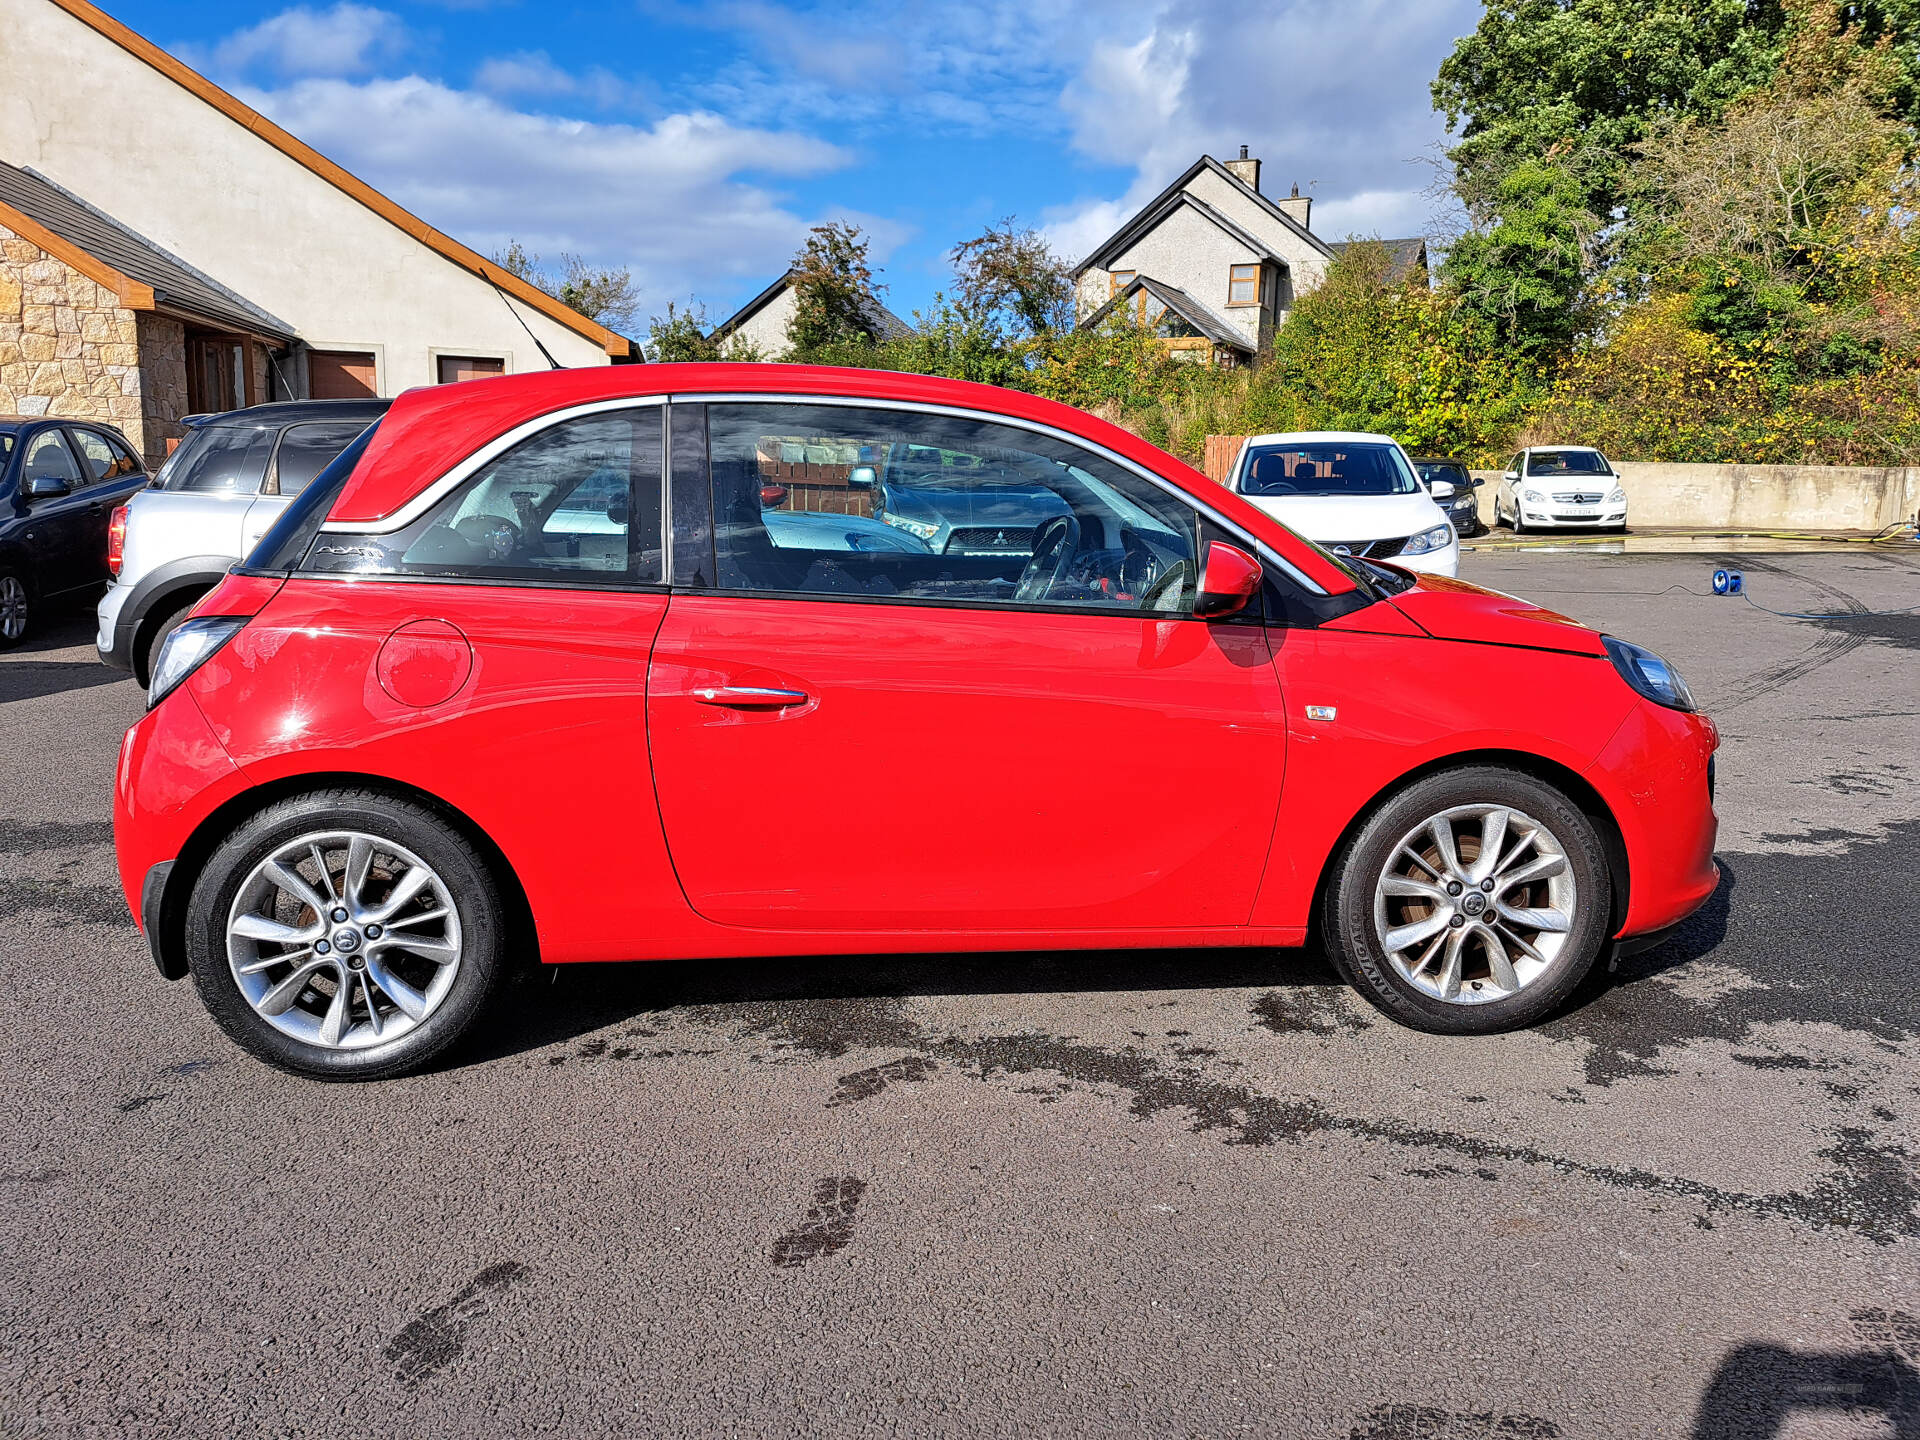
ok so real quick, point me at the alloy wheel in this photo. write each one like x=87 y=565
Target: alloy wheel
x=343 y=940
x=13 y=608
x=1475 y=904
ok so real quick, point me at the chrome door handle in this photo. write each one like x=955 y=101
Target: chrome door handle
x=751 y=697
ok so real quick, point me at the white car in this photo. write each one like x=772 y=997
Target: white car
x=1560 y=487
x=1355 y=494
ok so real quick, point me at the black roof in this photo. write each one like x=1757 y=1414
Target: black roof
x=1150 y=213
x=1402 y=255
x=886 y=324
x=16 y=422
x=285 y=412
x=176 y=285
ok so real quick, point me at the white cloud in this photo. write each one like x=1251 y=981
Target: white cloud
x=1330 y=94
x=347 y=39
x=533 y=72
x=663 y=198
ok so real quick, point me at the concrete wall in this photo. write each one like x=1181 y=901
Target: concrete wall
x=161 y=160
x=1760 y=497
x=67 y=346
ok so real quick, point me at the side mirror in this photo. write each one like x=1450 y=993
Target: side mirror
x=771 y=495
x=47 y=487
x=1228 y=580
x=861 y=477
x=1511 y=475
x=1441 y=489
x=1475 y=483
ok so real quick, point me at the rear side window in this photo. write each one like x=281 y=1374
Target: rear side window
x=104 y=460
x=229 y=459
x=306 y=450
x=577 y=503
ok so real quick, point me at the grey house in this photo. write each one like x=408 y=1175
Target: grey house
x=761 y=324
x=1212 y=264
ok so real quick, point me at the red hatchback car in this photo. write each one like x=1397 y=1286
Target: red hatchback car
x=720 y=660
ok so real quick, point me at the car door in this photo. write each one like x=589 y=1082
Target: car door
x=57 y=531
x=110 y=474
x=891 y=739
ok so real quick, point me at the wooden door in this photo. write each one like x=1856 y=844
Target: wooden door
x=455 y=368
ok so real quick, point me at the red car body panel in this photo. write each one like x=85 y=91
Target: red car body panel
x=955 y=777
x=958 y=768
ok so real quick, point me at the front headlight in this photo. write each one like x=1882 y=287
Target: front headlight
x=1426 y=540
x=1534 y=497
x=1647 y=673
x=189 y=647
x=919 y=528
x=1618 y=497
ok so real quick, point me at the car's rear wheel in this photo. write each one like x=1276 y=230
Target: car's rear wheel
x=16 y=610
x=346 y=935
x=1473 y=901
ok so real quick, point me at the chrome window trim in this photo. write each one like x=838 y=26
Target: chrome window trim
x=1037 y=427
x=492 y=450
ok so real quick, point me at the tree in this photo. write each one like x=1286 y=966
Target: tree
x=834 y=293
x=680 y=335
x=604 y=295
x=1013 y=279
x=1522 y=268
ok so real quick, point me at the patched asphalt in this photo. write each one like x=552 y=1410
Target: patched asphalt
x=1166 y=1193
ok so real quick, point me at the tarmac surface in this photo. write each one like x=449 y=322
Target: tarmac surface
x=1192 y=1193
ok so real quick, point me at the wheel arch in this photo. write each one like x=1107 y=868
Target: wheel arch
x=169 y=942
x=1575 y=786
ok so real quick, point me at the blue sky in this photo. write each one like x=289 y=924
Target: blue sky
x=696 y=142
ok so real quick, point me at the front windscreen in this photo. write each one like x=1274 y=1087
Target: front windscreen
x=1568 y=462
x=1356 y=467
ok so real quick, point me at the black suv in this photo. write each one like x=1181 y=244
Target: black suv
x=60 y=481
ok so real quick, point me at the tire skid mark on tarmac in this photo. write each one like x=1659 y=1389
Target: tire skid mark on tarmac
x=1831 y=645
x=1431 y=1422
x=436 y=1338
x=828 y=1225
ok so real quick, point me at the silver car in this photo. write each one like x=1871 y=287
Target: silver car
x=219 y=491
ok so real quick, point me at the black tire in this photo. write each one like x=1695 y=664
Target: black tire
x=1353 y=941
x=14 y=590
x=155 y=641
x=482 y=920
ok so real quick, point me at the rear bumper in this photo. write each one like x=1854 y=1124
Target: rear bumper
x=118 y=622
x=1656 y=776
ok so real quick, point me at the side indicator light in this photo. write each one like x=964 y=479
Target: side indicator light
x=1322 y=712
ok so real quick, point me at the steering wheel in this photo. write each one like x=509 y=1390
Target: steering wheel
x=1055 y=543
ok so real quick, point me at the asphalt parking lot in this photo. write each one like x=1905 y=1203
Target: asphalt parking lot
x=1156 y=1194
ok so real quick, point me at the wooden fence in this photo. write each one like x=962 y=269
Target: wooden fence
x=821 y=488
x=1220 y=452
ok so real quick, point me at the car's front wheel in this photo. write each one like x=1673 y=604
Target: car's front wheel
x=346 y=935
x=1473 y=901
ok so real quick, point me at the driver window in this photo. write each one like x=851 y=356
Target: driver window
x=578 y=502
x=846 y=500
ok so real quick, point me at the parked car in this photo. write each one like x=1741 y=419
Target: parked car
x=423 y=735
x=1355 y=494
x=1452 y=486
x=225 y=483
x=60 y=481
x=1560 y=487
x=956 y=504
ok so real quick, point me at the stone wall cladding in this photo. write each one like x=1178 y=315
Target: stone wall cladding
x=67 y=345
x=163 y=384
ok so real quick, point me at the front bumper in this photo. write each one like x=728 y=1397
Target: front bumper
x=1656 y=776
x=1611 y=518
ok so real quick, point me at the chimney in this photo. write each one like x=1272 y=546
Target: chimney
x=1247 y=170
x=1298 y=207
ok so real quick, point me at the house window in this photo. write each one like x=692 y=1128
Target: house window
x=1118 y=280
x=455 y=368
x=1243 y=285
